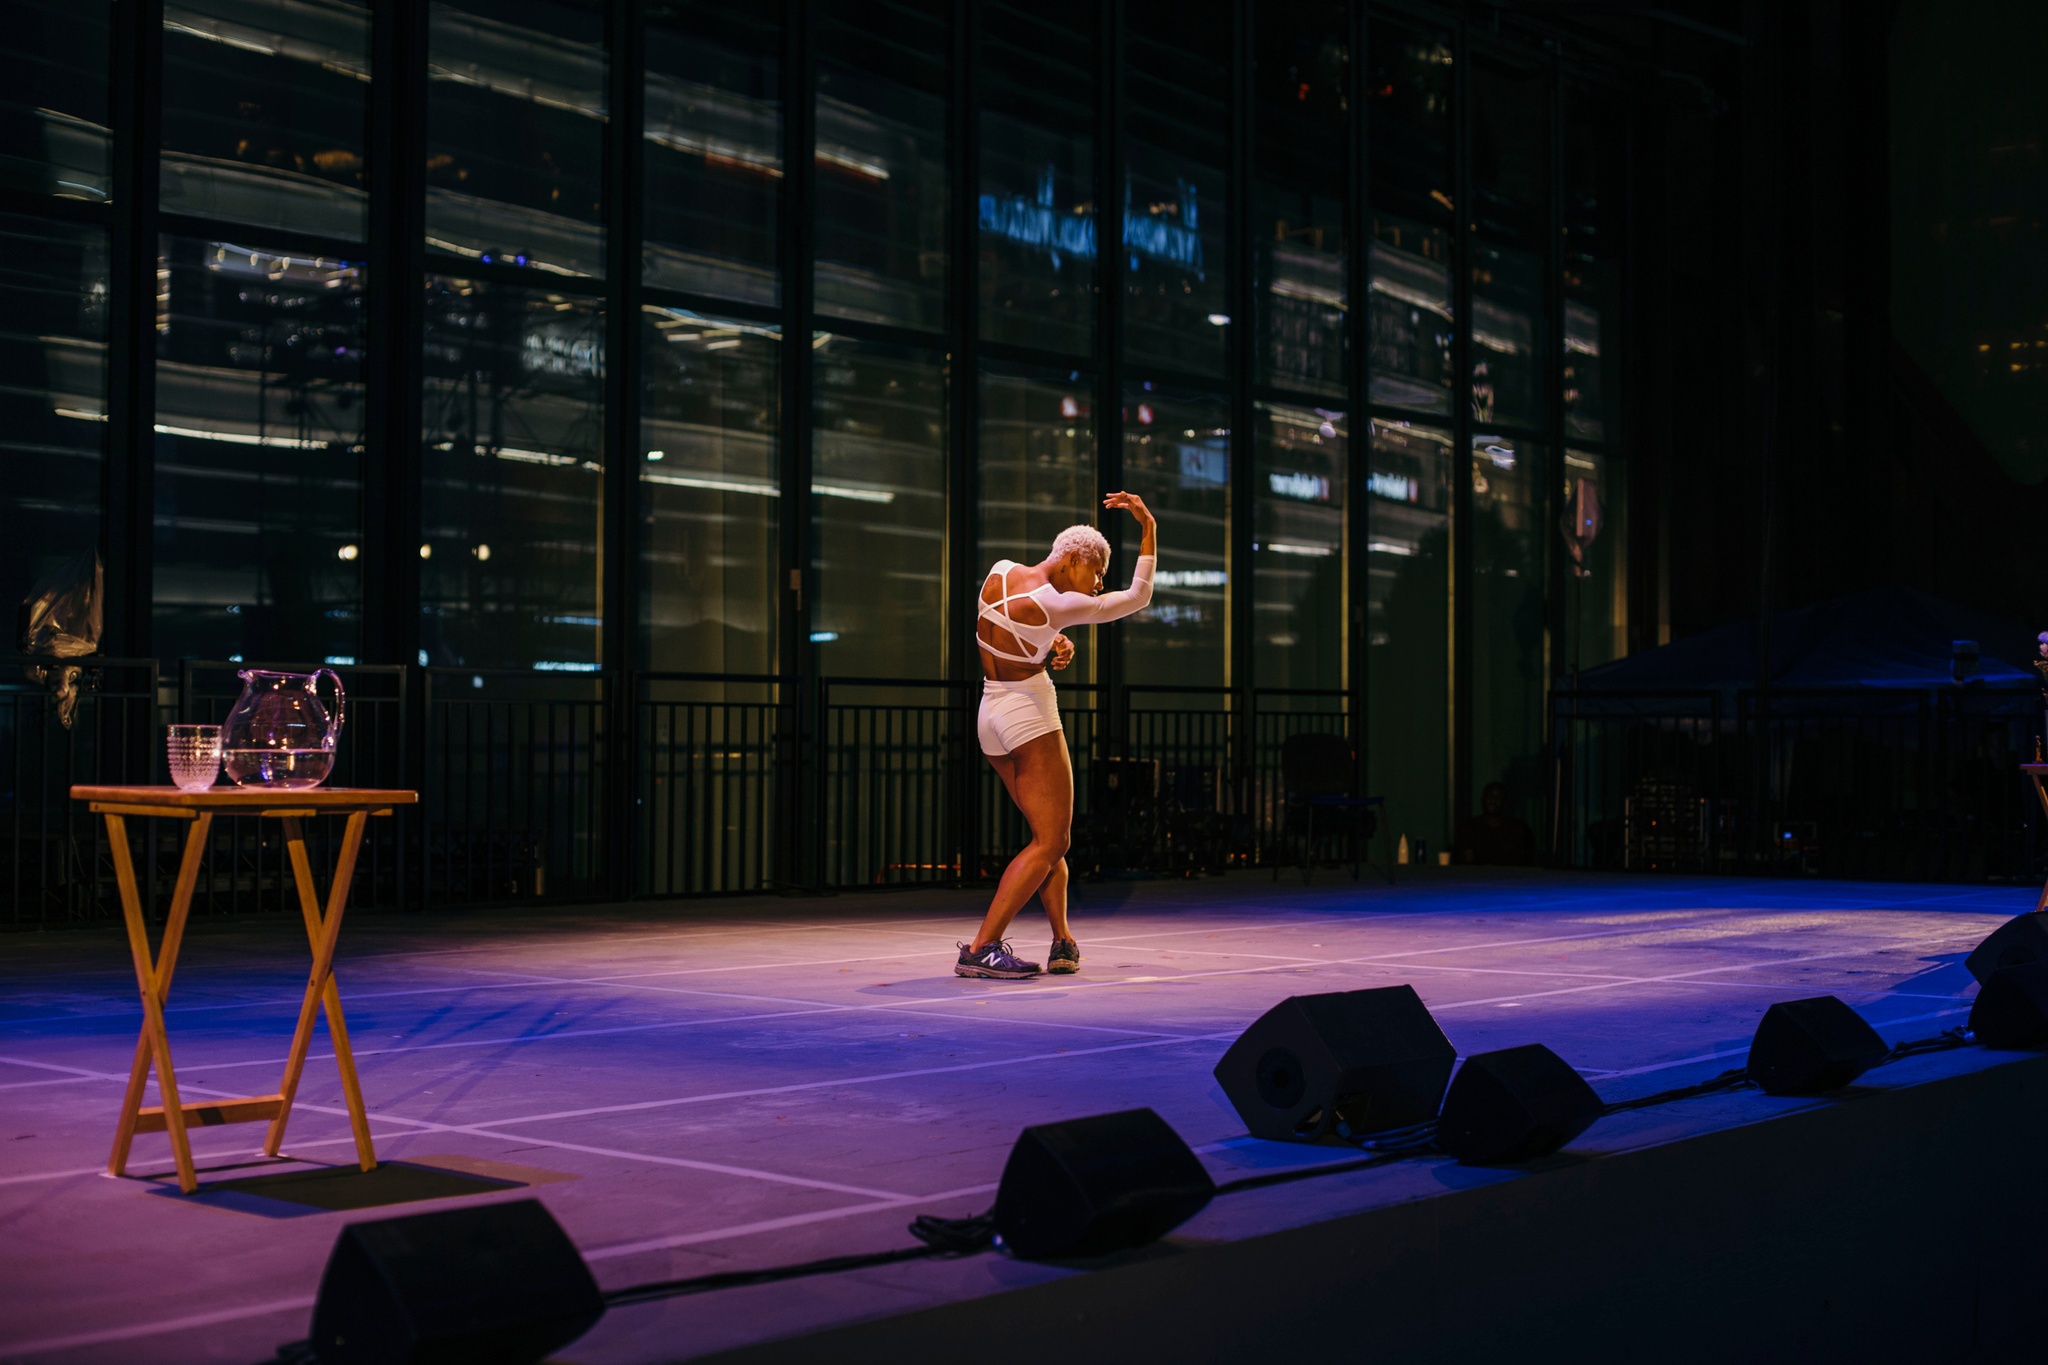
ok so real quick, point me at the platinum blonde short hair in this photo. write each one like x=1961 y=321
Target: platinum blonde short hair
x=1081 y=540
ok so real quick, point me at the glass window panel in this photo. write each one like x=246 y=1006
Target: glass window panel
x=259 y=446
x=1410 y=318
x=1408 y=108
x=709 y=494
x=1511 y=151
x=1037 y=198
x=1037 y=453
x=1177 y=118
x=714 y=149
x=1596 y=612
x=1302 y=117
x=1298 y=547
x=1592 y=189
x=1408 y=623
x=1177 y=458
x=514 y=480
x=53 y=334
x=264 y=108
x=1508 y=335
x=1589 y=381
x=53 y=114
x=881 y=172
x=878 y=490
x=515 y=133
x=1509 y=648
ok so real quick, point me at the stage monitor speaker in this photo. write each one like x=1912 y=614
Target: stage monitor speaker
x=1091 y=1186
x=1803 y=1047
x=2012 y=1008
x=1331 y=1068
x=491 y=1283
x=1514 y=1105
x=2023 y=938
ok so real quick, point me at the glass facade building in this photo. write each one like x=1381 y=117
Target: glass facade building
x=721 y=347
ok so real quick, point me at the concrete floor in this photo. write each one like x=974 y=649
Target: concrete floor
x=707 y=1086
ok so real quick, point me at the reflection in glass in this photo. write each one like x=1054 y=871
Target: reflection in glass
x=1037 y=467
x=709 y=494
x=514 y=487
x=264 y=107
x=1177 y=120
x=1408 y=109
x=1509 y=654
x=1303 y=124
x=1177 y=458
x=1410 y=318
x=1596 y=508
x=1298 y=549
x=1408 y=620
x=53 y=345
x=1588 y=357
x=259 y=440
x=881 y=161
x=1036 y=204
x=515 y=133
x=714 y=149
x=1592 y=193
x=878 y=489
x=1511 y=151
x=1507 y=335
x=53 y=111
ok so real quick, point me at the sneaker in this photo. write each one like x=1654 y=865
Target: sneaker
x=995 y=960
x=1065 y=956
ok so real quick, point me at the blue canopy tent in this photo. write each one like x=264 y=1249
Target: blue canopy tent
x=1886 y=639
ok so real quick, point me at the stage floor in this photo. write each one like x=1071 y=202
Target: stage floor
x=704 y=1086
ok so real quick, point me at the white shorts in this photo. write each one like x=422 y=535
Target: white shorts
x=1015 y=713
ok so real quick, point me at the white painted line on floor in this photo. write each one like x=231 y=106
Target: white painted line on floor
x=14 y=1350
x=795 y=1220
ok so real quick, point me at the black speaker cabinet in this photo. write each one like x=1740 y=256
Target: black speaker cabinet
x=2012 y=1009
x=1514 y=1105
x=1331 y=1068
x=1096 y=1185
x=2023 y=938
x=1803 y=1047
x=486 y=1284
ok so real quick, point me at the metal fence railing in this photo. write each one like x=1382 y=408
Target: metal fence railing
x=512 y=788
x=893 y=780
x=54 y=864
x=715 y=756
x=1915 y=784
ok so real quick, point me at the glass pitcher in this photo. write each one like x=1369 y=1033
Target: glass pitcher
x=279 y=735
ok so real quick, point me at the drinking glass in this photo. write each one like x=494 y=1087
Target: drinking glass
x=195 y=756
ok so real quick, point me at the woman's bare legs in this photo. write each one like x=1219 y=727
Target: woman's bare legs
x=1052 y=892
x=1041 y=781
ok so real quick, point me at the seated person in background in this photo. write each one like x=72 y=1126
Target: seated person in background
x=1494 y=837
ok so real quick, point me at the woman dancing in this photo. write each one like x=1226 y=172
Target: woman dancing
x=1023 y=608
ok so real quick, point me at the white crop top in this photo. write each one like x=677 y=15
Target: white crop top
x=1061 y=609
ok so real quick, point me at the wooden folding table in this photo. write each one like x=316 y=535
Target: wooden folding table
x=153 y=971
x=2035 y=772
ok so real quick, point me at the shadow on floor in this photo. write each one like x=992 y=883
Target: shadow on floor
x=342 y=1189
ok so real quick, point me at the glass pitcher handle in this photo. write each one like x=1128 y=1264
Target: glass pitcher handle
x=340 y=703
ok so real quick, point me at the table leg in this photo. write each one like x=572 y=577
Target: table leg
x=321 y=990
x=154 y=980
x=2041 y=795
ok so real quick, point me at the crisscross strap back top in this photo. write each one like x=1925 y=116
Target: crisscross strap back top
x=1062 y=609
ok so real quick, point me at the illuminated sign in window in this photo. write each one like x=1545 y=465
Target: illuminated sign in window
x=1398 y=487
x=1302 y=487
x=1203 y=467
x=1038 y=222
x=1190 y=578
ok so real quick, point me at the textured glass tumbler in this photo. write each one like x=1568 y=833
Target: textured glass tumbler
x=195 y=756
